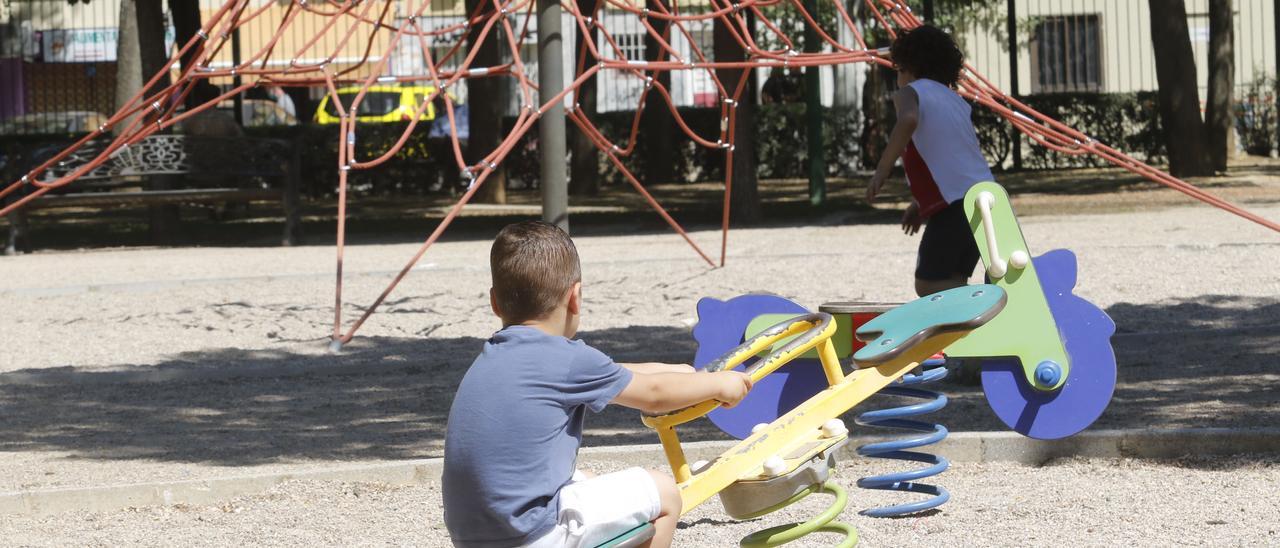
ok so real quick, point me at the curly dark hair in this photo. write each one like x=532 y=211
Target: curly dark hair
x=928 y=52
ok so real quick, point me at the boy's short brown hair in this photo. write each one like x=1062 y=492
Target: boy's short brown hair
x=534 y=264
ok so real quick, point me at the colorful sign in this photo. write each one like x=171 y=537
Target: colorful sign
x=79 y=45
x=86 y=45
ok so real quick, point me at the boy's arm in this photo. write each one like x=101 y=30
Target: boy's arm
x=651 y=367
x=663 y=392
x=907 y=105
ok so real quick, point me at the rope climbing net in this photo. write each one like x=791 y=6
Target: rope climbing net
x=389 y=24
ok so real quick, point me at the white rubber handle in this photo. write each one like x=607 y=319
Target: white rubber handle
x=998 y=267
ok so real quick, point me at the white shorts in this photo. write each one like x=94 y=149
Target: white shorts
x=595 y=510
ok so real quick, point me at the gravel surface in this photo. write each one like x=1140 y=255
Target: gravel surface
x=240 y=334
x=231 y=345
x=1225 y=502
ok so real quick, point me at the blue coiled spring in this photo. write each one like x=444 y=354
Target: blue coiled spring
x=898 y=449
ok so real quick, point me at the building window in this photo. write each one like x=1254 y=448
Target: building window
x=705 y=39
x=631 y=44
x=1066 y=54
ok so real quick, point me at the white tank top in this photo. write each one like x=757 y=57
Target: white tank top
x=947 y=143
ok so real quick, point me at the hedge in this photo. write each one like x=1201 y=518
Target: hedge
x=1126 y=121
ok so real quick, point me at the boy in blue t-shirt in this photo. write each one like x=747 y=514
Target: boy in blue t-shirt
x=516 y=420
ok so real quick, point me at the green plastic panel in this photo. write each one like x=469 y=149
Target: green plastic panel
x=1025 y=329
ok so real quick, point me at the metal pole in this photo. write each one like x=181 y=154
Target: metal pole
x=928 y=11
x=551 y=140
x=238 y=101
x=1275 y=84
x=813 y=116
x=1012 y=27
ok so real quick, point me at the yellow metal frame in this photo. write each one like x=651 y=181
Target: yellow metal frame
x=796 y=435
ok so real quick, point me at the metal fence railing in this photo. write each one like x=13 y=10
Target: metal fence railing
x=58 y=58
x=57 y=65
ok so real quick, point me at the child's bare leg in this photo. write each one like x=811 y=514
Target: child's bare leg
x=929 y=287
x=665 y=525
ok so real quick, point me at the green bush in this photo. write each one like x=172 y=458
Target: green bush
x=1256 y=116
x=781 y=148
x=1127 y=121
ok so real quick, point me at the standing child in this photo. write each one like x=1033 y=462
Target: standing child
x=935 y=138
x=516 y=420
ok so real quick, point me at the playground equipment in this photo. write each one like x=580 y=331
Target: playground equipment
x=903 y=449
x=1048 y=370
x=791 y=457
x=1055 y=369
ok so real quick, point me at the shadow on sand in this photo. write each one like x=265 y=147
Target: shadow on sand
x=1205 y=362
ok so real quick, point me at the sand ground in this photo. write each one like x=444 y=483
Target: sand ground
x=227 y=346
x=1072 y=502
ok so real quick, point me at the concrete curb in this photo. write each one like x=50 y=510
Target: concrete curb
x=959 y=447
x=1013 y=447
x=43 y=502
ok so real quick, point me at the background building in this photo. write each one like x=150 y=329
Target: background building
x=58 y=56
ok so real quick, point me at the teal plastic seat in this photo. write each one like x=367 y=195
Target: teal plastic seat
x=634 y=537
x=896 y=331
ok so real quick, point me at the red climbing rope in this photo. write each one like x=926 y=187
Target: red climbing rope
x=508 y=21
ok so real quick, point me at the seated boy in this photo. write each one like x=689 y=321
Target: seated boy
x=516 y=420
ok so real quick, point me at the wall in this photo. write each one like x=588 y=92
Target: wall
x=1128 y=60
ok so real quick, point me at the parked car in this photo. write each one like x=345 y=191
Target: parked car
x=397 y=104
x=47 y=123
x=380 y=104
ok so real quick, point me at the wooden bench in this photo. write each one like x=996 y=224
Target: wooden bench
x=163 y=171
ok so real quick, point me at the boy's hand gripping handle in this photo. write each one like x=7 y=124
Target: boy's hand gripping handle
x=809 y=330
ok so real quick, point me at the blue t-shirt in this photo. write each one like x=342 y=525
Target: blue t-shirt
x=514 y=431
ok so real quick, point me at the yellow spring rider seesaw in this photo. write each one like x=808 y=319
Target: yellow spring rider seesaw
x=791 y=458
x=1047 y=371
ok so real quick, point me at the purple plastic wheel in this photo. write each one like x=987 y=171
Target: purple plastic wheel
x=1086 y=331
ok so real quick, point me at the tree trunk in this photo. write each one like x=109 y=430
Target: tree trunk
x=1218 y=115
x=877 y=115
x=1184 y=133
x=876 y=107
x=140 y=55
x=584 y=165
x=656 y=122
x=186 y=23
x=140 y=50
x=744 y=203
x=488 y=99
x=128 y=59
